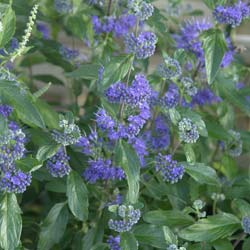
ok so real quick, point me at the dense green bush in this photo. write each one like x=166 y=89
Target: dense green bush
x=146 y=152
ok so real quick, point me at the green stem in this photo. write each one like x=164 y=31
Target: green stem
x=214 y=206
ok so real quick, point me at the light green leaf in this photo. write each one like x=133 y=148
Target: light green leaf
x=241 y=206
x=130 y=163
x=223 y=245
x=128 y=241
x=28 y=164
x=169 y=218
x=214 y=46
x=189 y=153
x=212 y=228
x=85 y=71
x=77 y=194
x=10 y=222
x=201 y=173
x=47 y=151
x=53 y=227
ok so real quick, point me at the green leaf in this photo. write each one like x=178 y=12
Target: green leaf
x=115 y=70
x=28 y=164
x=246 y=244
x=56 y=185
x=10 y=222
x=189 y=153
x=228 y=91
x=8 y=20
x=53 y=227
x=47 y=151
x=48 y=78
x=3 y=125
x=150 y=235
x=223 y=245
x=213 y=3
x=77 y=194
x=201 y=173
x=171 y=218
x=128 y=241
x=214 y=46
x=241 y=206
x=85 y=71
x=22 y=102
x=130 y=163
x=42 y=90
x=169 y=236
x=175 y=116
x=212 y=228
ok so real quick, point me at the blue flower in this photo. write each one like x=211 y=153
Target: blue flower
x=246 y=224
x=188 y=131
x=114 y=242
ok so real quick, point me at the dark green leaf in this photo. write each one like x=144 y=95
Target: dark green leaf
x=214 y=46
x=10 y=222
x=212 y=228
x=53 y=227
x=56 y=185
x=8 y=20
x=77 y=194
x=28 y=164
x=223 y=245
x=22 y=102
x=201 y=173
x=246 y=244
x=130 y=163
x=85 y=71
x=150 y=235
x=128 y=241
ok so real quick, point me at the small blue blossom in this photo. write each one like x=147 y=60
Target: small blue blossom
x=171 y=98
x=189 y=87
x=15 y=181
x=58 y=165
x=68 y=53
x=170 y=170
x=130 y=217
x=101 y=169
x=114 y=242
x=44 y=29
x=5 y=110
x=188 y=131
x=204 y=96
x=246 y=224
x=141 y=9
x=142 y=46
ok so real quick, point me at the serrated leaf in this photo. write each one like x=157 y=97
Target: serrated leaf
x=53 y=227
x=77 y=194
x=10 y=222
x=128 y=241
x=201 y=173
x=130 y=163
x=214 y=46
x=43 y=90
x=169 y=218
x=212 y=228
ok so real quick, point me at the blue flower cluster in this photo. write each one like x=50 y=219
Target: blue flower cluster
x=12 y=148
x=159 y=137
x=142 y=46
x=170 y=170
x=171 y=98
x=130 y=217
x=114 y=242
x=69 y=135
x=174 y=247
x=120 y=26
x=188 y=39
x=141 y=9
x=58 y=165
x=233 y=14
x=189 y=87
x=246 y=224
x=101 y=169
